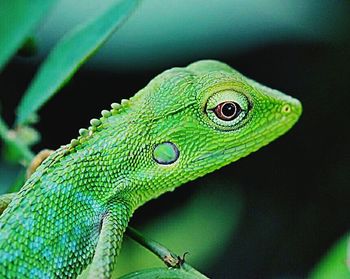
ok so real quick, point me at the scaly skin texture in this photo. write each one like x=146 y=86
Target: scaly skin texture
x=73 y=210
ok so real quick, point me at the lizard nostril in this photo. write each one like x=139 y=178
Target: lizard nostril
x=286 y=108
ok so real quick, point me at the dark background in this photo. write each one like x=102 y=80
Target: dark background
x=295 y=192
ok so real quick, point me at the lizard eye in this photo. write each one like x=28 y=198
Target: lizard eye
x=227 y=110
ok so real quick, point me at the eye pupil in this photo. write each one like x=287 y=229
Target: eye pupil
x=227 y=110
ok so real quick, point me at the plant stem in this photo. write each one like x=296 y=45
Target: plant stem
x=169 y=258
x=11 y=140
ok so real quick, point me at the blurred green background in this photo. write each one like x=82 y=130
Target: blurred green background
x=274 y=214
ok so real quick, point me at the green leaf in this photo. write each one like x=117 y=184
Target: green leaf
x=69 y=54
x=17 y=20
x=333 y=265
x=164 y=273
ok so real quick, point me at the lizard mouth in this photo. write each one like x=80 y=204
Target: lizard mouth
x=261 y=137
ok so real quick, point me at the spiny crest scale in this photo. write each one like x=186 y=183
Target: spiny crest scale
x=85 y=133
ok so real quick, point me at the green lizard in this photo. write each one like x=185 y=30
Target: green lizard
x=73 y=210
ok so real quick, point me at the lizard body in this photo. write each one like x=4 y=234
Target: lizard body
x=73 y=210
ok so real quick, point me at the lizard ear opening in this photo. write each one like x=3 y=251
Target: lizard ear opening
x=165 y=153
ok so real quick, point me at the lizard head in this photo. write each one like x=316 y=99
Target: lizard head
x=205 y=116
